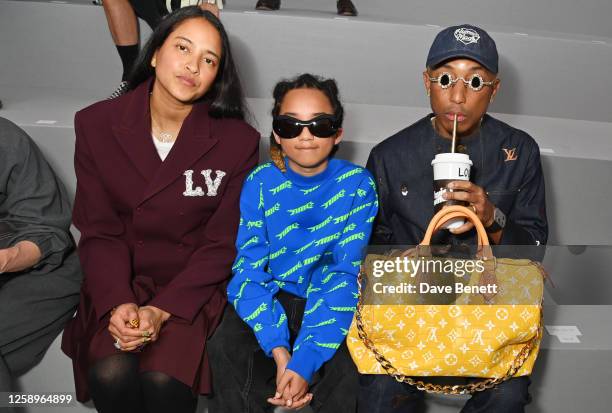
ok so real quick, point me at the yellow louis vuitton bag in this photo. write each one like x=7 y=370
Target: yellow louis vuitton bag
x=493 y=332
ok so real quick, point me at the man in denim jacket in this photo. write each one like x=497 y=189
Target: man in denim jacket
x=505 y=190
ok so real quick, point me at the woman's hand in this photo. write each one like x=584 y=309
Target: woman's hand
x=123 y=326
x=151 y=321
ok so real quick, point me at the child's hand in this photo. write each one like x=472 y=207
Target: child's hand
x=281 y=358
x=294 y=404
x=291 y=391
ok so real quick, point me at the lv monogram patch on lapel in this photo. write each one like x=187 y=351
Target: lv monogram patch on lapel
x=510 y=154
x=211 y=185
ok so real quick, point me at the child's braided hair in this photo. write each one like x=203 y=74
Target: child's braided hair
x=303 y=81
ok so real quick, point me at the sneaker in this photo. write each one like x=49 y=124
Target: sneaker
x=121 y=89
x=268 y=5
x=346 y=8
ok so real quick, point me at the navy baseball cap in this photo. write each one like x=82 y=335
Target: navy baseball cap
x=465 y=41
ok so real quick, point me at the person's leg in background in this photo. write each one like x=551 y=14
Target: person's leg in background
x=346 y=8
x=508 y=397
x=268 y=5
x=123 y=27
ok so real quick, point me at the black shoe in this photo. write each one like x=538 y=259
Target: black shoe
x=121 y=89
x=346 y=8
x=268 y=5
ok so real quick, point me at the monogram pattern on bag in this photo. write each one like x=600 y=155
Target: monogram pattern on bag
x=471 y=339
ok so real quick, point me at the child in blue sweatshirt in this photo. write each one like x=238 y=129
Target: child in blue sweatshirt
x=306 y=219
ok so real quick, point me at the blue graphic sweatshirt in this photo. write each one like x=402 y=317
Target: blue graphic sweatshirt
x=306 y=236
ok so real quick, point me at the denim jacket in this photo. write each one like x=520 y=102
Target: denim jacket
x=506 y=164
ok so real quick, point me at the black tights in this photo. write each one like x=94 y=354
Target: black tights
x=117 y=386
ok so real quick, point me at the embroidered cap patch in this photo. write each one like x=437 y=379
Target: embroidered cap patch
x=467 y=36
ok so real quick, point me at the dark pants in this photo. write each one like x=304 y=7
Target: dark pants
x=34 y=308
x=149 y=11
x=244 y=377
x=383 y=394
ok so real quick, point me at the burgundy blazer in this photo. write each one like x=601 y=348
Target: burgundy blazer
x=153 y=232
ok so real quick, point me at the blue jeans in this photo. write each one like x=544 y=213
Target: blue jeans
x=383 y=394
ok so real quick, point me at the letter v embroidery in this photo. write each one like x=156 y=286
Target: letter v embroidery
x=510 y=154
x=211 y=185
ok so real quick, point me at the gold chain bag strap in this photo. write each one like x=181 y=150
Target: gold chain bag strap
x=438 y=220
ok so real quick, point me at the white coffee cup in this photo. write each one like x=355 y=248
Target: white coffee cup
x=448 y=167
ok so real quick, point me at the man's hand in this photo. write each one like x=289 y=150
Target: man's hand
x=123 y=326
x=21 y=256
x=7 y=255
x=151 y=321
x=477 y=199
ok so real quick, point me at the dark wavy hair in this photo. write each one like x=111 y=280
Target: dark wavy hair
x=329 y=88
x=225 y=95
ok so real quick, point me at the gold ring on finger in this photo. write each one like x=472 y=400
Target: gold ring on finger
x=146 y=333
x=134 y=323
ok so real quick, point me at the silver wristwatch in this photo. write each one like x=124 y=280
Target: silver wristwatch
x=499 y=221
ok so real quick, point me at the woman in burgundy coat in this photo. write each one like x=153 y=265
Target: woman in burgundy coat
x=159 y=174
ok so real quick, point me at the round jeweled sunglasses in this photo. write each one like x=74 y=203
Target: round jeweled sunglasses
x=474 y=82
